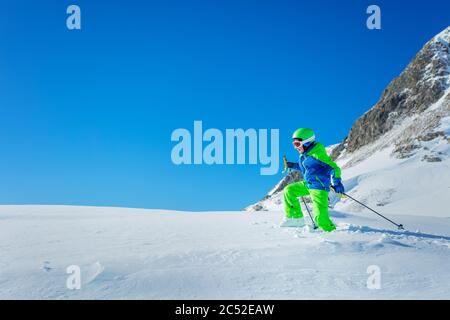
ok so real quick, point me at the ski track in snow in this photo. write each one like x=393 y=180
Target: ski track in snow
x=152 y=254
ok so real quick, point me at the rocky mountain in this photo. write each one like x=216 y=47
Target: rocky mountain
x=409 y=123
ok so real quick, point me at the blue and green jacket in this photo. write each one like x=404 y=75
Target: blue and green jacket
x=317 y=168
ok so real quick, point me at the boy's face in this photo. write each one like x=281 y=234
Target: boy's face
x=298 y=146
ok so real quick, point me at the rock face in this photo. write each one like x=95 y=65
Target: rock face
x=423 y=82
x=408 y=117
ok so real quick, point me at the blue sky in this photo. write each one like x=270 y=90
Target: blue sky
x=86 y=116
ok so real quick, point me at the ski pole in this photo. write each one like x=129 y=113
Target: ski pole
x=309 y=213
x=399 y=226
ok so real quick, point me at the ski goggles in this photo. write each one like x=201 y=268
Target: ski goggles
x=298 y=143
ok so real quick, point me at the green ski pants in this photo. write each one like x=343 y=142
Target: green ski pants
x=319 y=203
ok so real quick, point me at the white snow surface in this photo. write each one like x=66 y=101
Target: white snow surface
x=154 y=254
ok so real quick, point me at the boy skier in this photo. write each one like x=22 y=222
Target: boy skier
x=317 y=169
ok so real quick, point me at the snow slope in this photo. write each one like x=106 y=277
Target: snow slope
x=398 y=186
x=154 y=254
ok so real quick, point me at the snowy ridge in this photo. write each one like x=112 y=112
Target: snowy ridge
x=440 y=46
x=411 y=130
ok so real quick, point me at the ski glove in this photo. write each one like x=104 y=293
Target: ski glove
x=338 y=186
x=292 y=165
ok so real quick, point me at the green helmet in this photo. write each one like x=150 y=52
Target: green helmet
x=304 y=134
